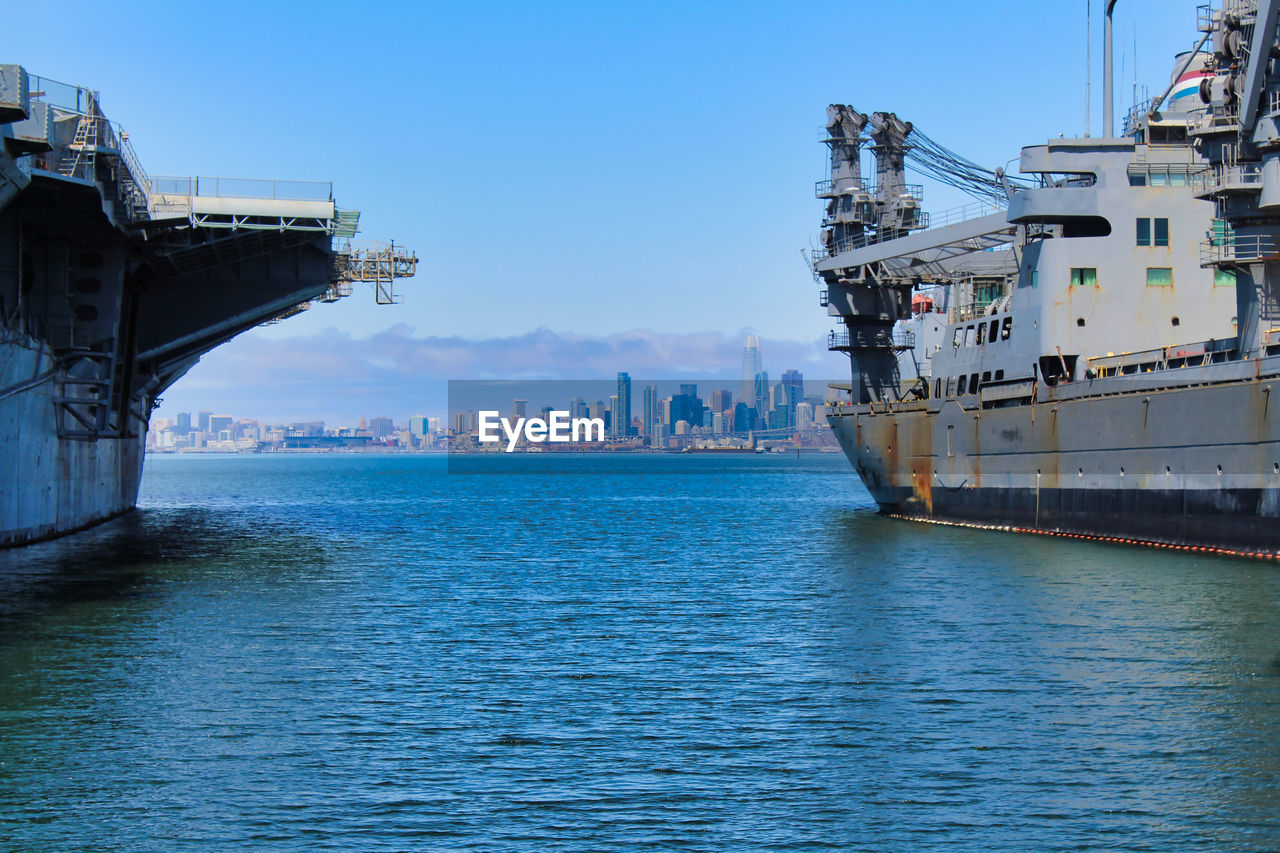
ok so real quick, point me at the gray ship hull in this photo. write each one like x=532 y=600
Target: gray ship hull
x=1187 y=459
x=55 y=485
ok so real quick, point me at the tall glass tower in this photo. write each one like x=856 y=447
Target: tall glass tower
x=750 y=369
x=623 y=429
x=649 y=411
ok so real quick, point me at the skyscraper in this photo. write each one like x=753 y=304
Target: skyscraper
x=623 y=429
x=759 y=399
x=649 y=410
x=615 y=416
x=687 y=405
x=751 y=366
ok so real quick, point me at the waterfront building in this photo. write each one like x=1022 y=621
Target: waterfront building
x=218 y=423
x=623 y=422
x=519 y=408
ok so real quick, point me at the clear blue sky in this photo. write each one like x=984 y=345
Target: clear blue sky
x=585 y=168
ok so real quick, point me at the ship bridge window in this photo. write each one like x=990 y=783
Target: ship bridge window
x=1084 y=276
x=1006 y=328
x=1159 y=276
x=1168 y=135
x=1153 y=232
x=993 y=331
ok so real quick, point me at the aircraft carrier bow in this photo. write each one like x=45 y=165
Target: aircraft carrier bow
x=113 y=283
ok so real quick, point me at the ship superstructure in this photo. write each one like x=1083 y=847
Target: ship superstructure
x=113 y=283
x=1093 y=346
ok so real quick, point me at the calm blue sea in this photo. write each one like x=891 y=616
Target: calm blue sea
x=367 y=653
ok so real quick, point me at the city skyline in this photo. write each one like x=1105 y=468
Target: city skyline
x=673 y=413
x=439 y=404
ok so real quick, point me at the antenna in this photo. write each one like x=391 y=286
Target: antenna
x=1108 y=109
x=1088 y=62
x=1134 y=102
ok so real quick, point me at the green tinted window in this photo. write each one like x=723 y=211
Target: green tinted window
x=1224 y=278
x=1159 y=277
x=1084 y=277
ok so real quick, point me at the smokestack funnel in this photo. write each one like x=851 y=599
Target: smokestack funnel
x=1108 y=110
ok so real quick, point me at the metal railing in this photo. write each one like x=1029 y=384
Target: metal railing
x=924 y=220
x=1219 y=117
x=243 y=188
x=1137 y=113
x=64 y=96
x=824 y=189
x=1223 y=178
x=964 y=213
x=872 y=339
x=1204 y=18
x=1240 y=248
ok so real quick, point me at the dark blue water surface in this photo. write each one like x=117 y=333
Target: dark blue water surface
x=645 y=653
